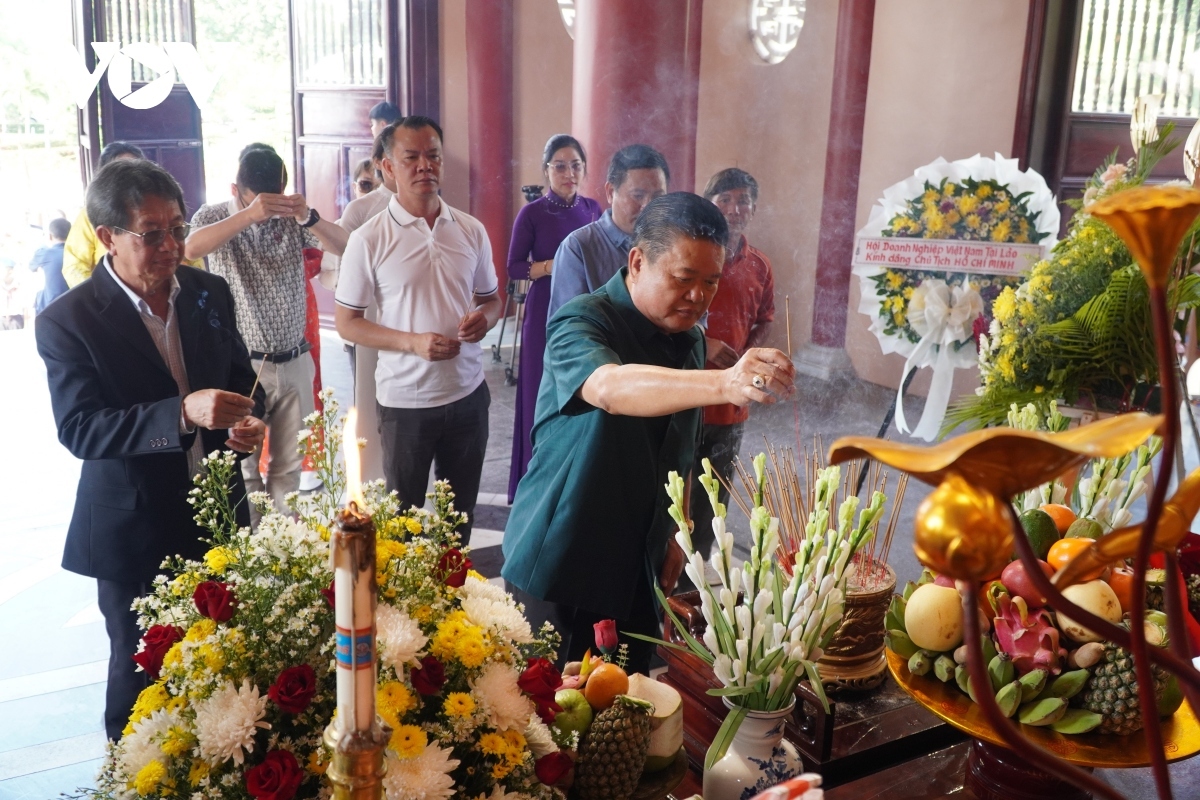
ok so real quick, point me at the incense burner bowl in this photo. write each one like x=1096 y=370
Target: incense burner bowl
x=854 y=659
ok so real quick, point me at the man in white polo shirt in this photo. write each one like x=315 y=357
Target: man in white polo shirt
x=428 y=267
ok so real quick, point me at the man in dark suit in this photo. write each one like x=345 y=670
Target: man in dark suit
x=147 y=374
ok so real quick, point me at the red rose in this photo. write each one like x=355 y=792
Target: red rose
x=606 y=635
x=215 y=601
x=329 y=595
x=276 y=778
x=155 y=644
x=453 y=566
x=540 y=681
x=429 y=677
x=293 y=690
x=553 y=767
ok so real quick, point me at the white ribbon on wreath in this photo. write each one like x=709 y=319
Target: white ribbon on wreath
x=944 y=317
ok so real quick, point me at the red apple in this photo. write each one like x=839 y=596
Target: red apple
x=1016 y=581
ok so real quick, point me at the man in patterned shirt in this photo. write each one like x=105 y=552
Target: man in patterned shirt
x=255 y=241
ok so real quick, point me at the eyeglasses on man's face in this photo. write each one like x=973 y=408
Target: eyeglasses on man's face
x=155 y=238
x=564 y=167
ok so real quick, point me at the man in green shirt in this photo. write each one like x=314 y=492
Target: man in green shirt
x=619 y=408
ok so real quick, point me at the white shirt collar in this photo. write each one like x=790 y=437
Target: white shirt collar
x=404 y=218
x=140 y=304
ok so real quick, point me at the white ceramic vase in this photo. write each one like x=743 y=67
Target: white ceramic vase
x=757 y=759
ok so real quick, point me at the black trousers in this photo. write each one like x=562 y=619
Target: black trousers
x=453 y=438
x=125 y=682
x=578 y=634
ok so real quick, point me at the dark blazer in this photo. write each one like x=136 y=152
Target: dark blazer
x=118 y=408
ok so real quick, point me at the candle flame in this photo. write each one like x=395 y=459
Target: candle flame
x=353 y=457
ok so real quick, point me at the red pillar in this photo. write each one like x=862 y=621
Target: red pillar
x=636 y=80
x=490 y=121
x=843 y=160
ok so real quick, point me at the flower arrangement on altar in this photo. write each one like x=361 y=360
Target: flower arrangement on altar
x=240 y=648
x=930 y=301
x=1077 y=328
x=769 y=618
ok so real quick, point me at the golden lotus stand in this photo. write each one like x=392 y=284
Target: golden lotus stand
x=996 y=773
x=357 y=765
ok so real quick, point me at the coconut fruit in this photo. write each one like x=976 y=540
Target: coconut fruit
x=666 y=721
x=1094 y=596
x=933 y=618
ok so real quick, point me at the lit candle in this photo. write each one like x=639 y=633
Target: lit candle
x=352 y=551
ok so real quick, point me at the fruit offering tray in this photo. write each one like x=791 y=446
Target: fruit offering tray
x=1181 y=732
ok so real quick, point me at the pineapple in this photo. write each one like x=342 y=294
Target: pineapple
x=1111 y=691
x=1156 y=580
x=613 y=750
x=1193 y=593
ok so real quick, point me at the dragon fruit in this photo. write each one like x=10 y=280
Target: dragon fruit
x=1029 y=638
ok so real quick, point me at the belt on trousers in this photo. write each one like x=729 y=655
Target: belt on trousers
x=283 y=356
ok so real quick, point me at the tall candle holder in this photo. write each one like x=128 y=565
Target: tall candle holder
x=356 y=737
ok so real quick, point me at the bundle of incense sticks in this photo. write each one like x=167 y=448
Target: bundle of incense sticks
x=788 y=495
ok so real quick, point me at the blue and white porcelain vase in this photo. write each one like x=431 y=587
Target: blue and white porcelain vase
x=758 y=758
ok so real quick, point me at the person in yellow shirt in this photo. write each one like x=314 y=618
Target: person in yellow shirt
x=83 y=250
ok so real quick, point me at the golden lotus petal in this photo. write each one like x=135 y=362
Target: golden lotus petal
x=1173 y=525
x=1152 y=221
x=1004 y=461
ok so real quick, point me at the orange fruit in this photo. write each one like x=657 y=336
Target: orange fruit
x=1121 y=581
x=1062 y=551
x=604 y=684
x=1062 y=516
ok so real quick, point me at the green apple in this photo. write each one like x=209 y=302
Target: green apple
x=576 y=714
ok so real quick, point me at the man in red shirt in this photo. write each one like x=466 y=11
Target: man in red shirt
x=738 y=319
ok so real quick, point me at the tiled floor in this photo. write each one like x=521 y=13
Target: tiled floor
x=53 y=659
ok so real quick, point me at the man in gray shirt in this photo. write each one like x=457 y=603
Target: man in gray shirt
x=590 y=256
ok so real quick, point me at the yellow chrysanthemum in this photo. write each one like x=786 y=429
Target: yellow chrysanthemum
x=423 y=614
x=501 y=770
x=477 y=576
x=935 y=222
x=177 y=704
x=218 y=559
x=174 y=656
x=1001 y=232
x=177 y=742
x=149 y=700
x=449 y=631
x=492 y=744
x=1002 y=207
x=471 y=649
x=514 y=738
x=458 y=704
x=983 y=192
x=1005 y=305
x=973 y=221
x=408 y=741
x=315 y=765
x=967 y=203
x=953 y=217
x=413 y=526
x=395 y=697
x=931 y=196
x=324 y=532
x=201 y=630
x=184 y=584
x=211 y=657
x=894 y=279
x=149 y=777
x=198 y=772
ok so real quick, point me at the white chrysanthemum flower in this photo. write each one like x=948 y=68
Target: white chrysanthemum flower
x=227 y=721
x=499 y=793
x=474 y=587
x=501 y=699
x=141 y=747
x=400 y=637
x=426 y=777
x=538 y=737
x=500 y=617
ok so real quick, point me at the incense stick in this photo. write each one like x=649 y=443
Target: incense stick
x=787 y=314
x=256 y=378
